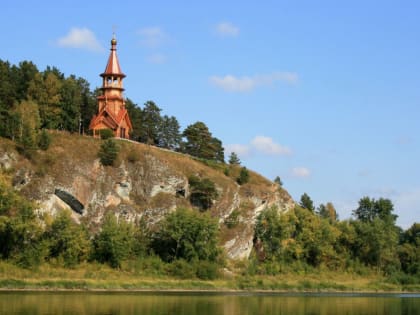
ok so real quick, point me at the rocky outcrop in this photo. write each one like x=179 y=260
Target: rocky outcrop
x=147 y=187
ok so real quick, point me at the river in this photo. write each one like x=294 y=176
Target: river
x=147 y=303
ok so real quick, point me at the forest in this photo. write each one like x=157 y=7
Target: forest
x=306 y=239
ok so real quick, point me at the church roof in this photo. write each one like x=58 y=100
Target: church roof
x=113 y=66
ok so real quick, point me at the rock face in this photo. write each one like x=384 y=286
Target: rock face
x=146 y=183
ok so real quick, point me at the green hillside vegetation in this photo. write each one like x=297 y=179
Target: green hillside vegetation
x=306 y=248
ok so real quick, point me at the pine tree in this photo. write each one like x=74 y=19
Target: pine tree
x=234 y=159
x=108 y=152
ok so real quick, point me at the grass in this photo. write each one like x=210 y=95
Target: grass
x=102 y=277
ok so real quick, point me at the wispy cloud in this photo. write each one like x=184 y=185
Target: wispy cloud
x=81 y=38
x=152 y=37
x=268 y=146
x=157 y=58
x=227 y=29
x=241 y=150
x=232 y=83
x=301 y=172
x=258 y=145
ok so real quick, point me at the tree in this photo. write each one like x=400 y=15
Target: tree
x=234 y=159
x=369 y=209
x=203 y=192
x=108 y=152
x=169 y=136
x=44 y=140
x=243 y=176
x=45 y=91
x=200 y=143
x=278 y=181
x=68 y=241
x=114 y=243
x=189 y=235
x=306 y=202
x=71 y=102
x=135 y=113
x=150 y=123
x=327 y=212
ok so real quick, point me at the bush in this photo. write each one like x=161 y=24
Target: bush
x=233 y=219
x=133 y=156
x=206 y=270
x=203 y=191
x=243 y=176
x=44 y=140
x=108 y=152
x=182 y=269
x=106 y=134
x=115 y=241
x=187 y=234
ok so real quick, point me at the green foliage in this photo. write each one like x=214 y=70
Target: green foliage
x=150 y=123
x=306 y=202
x=278 y=181
x=234 y=159
x=200 y=143
x=68 y=241
x=44 y=140
x=243 y=176
x=327 y=212
x=114 y=243
x=297 y=236
x=108 y=152
x=376 y=244
x=27 y=144
x=106 y=134
x=202 y=192
x=169 y=136
x=369 y=209
x=233 y=219
x=186 y=234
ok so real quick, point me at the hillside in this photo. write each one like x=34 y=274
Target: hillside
x=145 y=183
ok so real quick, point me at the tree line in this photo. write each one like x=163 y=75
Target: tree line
x=32 y=100
x=315 y=238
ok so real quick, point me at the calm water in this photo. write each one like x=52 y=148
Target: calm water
x=85 y=303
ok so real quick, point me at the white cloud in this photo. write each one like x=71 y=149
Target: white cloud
x=241 y=150
x=152 y=37
x=259 y=144
x=268 y=146
x=301 y=172
x=227 y=29
x=244 y=84
x=80 y=38
x=157 y=58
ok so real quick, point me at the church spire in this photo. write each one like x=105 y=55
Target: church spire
x=113 y=66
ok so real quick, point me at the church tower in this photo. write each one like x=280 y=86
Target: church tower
x=112 y=113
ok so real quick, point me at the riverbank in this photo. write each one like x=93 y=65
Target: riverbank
x=97 y=277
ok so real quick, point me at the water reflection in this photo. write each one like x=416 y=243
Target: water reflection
x=86 y=303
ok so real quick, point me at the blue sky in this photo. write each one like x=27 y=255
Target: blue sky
x=325 y=94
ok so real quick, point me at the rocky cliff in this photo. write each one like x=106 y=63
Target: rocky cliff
x=147 y=182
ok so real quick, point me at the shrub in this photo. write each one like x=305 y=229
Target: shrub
x=133 y=156
x=108 y=152
x=203 y=191
x=233 y=219
x=115 y=241
x=44 y=140
x=106 y=134
x=206 y=270
x=180 y=268
x=243 y=176
x=187 y=234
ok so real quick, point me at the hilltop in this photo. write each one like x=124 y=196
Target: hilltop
x=146 y=183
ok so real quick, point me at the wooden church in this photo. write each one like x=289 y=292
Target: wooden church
x=112 y=113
